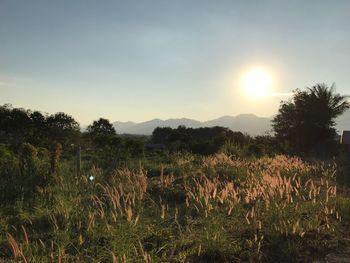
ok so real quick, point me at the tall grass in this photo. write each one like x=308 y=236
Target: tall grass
x=185 y=209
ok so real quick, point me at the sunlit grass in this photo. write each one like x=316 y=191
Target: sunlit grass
x=216 y=208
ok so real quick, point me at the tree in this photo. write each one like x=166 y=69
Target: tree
x=63 y=128
x=101 y=127
x=15 y=125
x=102 y=144
x=308 y=119
x=38 y=130
x=18 y=126
x=161 y=134
x=102 y=134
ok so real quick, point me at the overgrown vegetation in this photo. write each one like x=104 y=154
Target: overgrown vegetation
x=179 y=208
x=182 y=195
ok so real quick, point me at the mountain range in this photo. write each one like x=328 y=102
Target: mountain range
x=246 y=123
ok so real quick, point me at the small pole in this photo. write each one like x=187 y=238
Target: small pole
x=78 y=160
x=55 y=154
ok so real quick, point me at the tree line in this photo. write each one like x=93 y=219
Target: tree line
x=18 y=125
x=303 y=124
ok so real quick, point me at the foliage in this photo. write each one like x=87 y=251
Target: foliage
x=24 y=175
x=263 y=145
x=200 y=141
x=19 y=126
x=178 y=208
x=101 y=127
x=63 y=128
x=307 y=122
x=213 y=195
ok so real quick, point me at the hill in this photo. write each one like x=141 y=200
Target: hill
x=247 y=123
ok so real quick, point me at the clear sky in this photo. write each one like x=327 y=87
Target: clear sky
x=138 y=60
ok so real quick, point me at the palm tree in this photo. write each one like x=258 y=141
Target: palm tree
x=329 y=103
x=309 y=119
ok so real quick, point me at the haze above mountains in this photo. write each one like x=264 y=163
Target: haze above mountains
x=246 y=123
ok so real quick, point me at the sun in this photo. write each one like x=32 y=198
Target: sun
x=257 y=82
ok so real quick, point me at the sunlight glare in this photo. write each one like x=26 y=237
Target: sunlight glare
x=257 y=82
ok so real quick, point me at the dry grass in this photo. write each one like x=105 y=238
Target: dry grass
x=250 y=201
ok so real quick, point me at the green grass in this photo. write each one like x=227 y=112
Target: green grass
x=179 y=208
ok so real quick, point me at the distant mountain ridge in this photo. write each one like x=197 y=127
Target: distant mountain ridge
x=246 y=123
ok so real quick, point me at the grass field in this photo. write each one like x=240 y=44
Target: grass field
x=179 y=208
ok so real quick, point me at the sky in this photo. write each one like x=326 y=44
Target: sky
x=138 y=60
